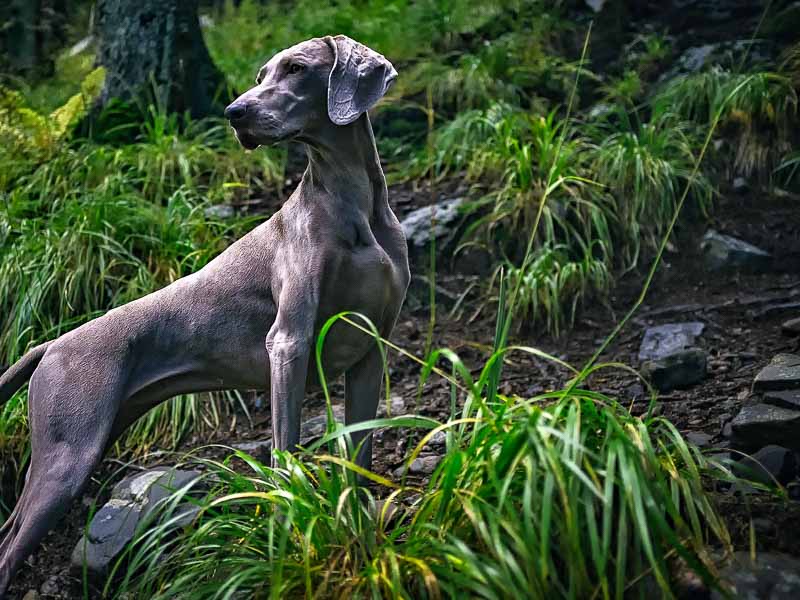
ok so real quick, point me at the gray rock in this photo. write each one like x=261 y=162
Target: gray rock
x=114 y=525
x=740 y=185
x=51 y=586
x=678 y=370
x=417 y=224
x=663 y=340
x=438 y=440
x=726 y=252
x=425 y=465
x=785 y=399
x=261 y=450
x=760 y=424
x=219 y=211
x=768 y=465
x=396 y=404
x=595 y=5
x=791 y=327
x=782 y=373
x=315 y=428
x=719 y=55
x=771 y=576
x=699 y=439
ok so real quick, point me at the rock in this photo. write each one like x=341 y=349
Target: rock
x=438 y=440
x=680 y=369
x=699 y=439
x=782 y=373
x=740 y=185
x=417 y=224
x=764 y=526
x=768 y=465
x=315 y=428
x=51 y=586
x=760 y=424
x=719 y=55
x=261 y=450
x=791 y=327
x=114 y=525
x=31 y=595
x=425 y=465
x=595 y=5
x=663 y=340
x=771 y=576
x=726 y=252
x=219 y=211
x=396 y=404
x=785 y=399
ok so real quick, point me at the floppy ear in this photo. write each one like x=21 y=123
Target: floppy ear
x=359 y=78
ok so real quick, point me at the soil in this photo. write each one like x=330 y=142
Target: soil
x=741 y=312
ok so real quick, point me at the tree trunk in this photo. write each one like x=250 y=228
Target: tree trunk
x=147 y=44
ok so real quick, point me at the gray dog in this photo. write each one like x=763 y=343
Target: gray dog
x=248 y=320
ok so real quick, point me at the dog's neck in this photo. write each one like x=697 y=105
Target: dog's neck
x=343 y=163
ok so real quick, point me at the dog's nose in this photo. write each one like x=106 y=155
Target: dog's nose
x=235 y=111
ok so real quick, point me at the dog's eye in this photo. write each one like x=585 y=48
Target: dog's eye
x=296 y=68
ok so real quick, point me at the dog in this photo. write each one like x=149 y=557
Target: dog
x=249 y=319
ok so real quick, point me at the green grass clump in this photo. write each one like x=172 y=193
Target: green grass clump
x=564 y=495
x=645 y=167
x=758 y=113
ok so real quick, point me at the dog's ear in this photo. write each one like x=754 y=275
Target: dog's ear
x=359 y=78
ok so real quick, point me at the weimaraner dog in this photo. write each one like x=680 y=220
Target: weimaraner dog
x=247 y=320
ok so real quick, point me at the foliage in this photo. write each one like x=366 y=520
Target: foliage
x=757 y=112
x=560 y=495
x=646 y=167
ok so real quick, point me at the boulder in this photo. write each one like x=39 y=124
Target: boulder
x=785 y=399
x=771 y=576
x=726 y=252
x=663 y=340
x=261 y=450
x=699 y=439
x=791 y=327
x=782 y=373
x=760 y=424
x=679 y=369
x=770 y=464
x=417 y=224
x=114 y=525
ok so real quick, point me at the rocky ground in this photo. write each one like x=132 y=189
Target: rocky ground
x=708 y=336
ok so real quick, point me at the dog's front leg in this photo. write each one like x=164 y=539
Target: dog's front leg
x=289 y=347
x=362 y=390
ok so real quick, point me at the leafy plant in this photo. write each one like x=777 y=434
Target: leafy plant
x=757 y=110
x=560 y=495
x=645 y=166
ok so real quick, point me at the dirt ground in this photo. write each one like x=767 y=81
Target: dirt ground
x=742 y=317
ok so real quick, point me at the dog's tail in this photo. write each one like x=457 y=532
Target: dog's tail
x=18 y=373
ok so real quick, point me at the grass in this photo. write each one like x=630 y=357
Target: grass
x=559 y=495
x=565 y=494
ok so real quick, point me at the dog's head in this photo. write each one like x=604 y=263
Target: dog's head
x=307 y=87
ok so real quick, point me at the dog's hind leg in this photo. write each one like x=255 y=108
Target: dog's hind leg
x=70 y=430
